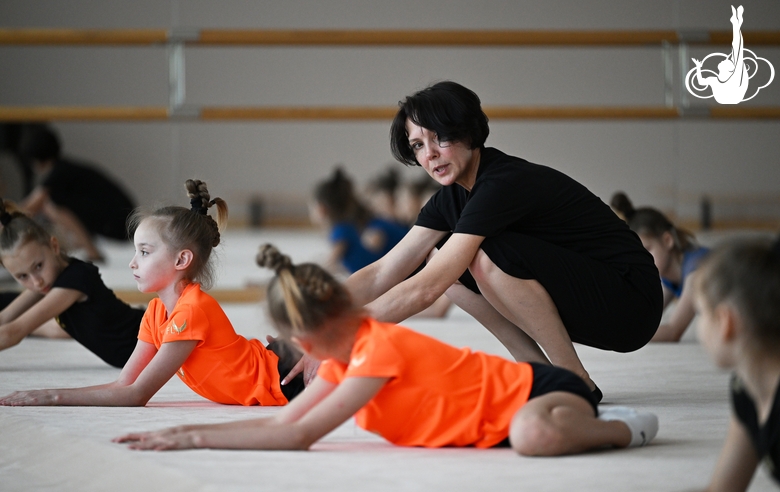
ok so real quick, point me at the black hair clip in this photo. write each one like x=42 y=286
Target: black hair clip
x=196 y=205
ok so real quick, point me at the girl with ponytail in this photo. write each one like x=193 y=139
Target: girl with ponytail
x=676 y=255
x=62 y=295
x=737 y=295
x=184 y=331
x=407 y=387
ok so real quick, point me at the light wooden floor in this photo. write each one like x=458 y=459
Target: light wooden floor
x=70 y=448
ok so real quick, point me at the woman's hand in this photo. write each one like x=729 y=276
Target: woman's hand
x=308 y=366
x=29 y=398
x=166 y=439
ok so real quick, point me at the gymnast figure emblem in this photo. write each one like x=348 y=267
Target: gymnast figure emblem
x=730 y=84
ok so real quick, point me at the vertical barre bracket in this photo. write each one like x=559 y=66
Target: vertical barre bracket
x=693 y=36
x=183 y=35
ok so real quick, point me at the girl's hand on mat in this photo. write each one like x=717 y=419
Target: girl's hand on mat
x=29 y=398
x=172 y=438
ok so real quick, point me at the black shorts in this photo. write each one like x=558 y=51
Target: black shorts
x=548 y=379
x=288 y=357
x=609 y=307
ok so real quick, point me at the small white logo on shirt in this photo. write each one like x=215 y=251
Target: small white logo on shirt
x=357 y=362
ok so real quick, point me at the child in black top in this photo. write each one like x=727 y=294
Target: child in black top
x=64 y=288
x=738 y=297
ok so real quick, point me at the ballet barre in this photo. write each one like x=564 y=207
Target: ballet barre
x=372 y=113
x=175 y=40
x=292 y=37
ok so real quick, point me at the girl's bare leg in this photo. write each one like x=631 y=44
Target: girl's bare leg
x=50 y=329
x=563 y=423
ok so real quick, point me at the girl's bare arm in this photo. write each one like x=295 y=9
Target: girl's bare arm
x=147 y=370
x=682 y=316
x=37 y=312
x=737 y=463
x=321 y=408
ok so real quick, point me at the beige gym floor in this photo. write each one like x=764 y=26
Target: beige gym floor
x=69 y=448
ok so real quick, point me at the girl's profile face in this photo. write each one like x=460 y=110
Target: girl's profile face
x=35 y=266
x=661 y=249
x=154 y=264
x=708 y=330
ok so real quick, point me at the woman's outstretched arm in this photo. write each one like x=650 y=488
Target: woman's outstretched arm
x=420 y=291
x=370 y=282
x=147 y=370
x=321 y=408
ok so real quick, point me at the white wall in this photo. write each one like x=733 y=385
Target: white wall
x=666 y=163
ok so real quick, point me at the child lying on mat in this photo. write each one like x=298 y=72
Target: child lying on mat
x=411 y=389
x=58 y=287
x=184 y=331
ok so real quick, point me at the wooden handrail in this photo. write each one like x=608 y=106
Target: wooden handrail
x=433 y=38
x=83 y=36
x=65 y=113
x=292 y=37
x=357 y=113
x=299 y=113
x=746 y=112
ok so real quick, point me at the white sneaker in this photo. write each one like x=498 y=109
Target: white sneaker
x=643 y=425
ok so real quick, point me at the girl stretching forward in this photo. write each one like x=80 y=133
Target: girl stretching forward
x=60 y=287
x=411 y=389
x=184 y=331
x=676 y=255
x=738 y=297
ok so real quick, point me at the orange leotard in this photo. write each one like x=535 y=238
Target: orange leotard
x=224 y=367
x=437 y=395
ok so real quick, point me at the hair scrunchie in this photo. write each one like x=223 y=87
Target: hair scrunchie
x=196 y=205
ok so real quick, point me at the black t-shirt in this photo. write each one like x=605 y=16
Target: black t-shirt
x=100 y=204
x=766 y=438
x=105 y=325
x=512 y=194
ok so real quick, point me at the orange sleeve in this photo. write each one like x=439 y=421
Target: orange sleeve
x=148 y=323
x=374 y=357
x=187 y=322
x=331 y=371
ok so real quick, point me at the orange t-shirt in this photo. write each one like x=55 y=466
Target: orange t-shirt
x=437 y=395
x=224 y=367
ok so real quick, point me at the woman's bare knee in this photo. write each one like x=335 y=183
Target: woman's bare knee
x=482 y=267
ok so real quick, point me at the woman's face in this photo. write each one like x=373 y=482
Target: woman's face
x=445 y=162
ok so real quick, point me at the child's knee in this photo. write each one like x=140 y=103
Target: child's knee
x=535 y=435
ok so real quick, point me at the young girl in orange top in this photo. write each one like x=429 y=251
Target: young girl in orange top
x=410 y=388
x=184 y=331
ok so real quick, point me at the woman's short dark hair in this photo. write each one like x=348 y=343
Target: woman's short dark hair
x=448 y=109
